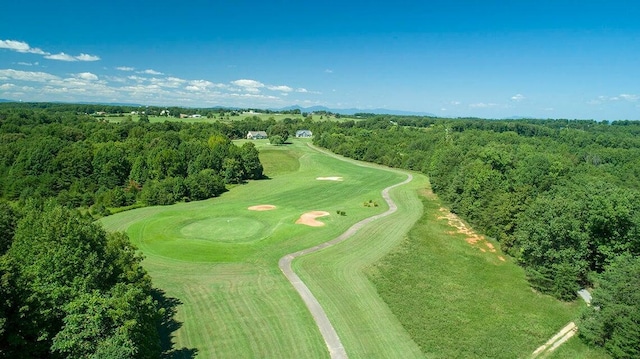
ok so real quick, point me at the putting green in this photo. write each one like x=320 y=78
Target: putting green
x=224 y=229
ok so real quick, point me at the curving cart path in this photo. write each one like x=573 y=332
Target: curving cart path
x=336 y=349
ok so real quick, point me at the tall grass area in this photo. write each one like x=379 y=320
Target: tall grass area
x=456 y=301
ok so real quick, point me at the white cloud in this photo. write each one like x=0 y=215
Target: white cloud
x=248 y=84
x=455 y=103
x=87 y=76
x=87 y=57
x=124 y=68
x=26 y=75
x=61 y=57
x=137 y=87
x=28 y=63
x=66 y=57
x=151 y=72
x=23 y=47
x=328 y=71
x=517 y=97
x=629 y=97
x=20 y=46
x=622 y=97
x=281 y=88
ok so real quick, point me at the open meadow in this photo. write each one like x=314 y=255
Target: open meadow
x=219 y=260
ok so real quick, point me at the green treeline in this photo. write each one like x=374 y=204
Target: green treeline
x=70 y=290
x=562 y=197
x=84 y=162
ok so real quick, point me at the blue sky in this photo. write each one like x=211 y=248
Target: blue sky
x=491 y=59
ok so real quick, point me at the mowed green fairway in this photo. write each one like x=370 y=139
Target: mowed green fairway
x=221 y=259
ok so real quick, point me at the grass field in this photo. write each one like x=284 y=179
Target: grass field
x=388 y=294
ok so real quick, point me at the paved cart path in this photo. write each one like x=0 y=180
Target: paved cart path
x=336 y=350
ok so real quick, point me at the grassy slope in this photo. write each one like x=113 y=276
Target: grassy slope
x=236 y=303
x=457 y=301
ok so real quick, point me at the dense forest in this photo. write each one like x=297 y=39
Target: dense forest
x=561 y=197
x=70 y=290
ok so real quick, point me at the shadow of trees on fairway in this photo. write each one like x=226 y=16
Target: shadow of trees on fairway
x=167 y=325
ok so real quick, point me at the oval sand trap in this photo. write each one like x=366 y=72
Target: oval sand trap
x=262 y=207
x=329 y=178
x=309 y=218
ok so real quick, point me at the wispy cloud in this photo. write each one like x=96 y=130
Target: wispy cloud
x=20 y=46
x=629 y=97
x=281 y=88
x=10 y=74
x=66 y=57
x=28 y=63
x=622 y=97
x=152 y=90
x=87 y=76
x=61 y=57
x=252 y=86
x=517 y=97
x=483 y=105
x=328 y=71
x=124 y=68
x=87 y=57
x=151 y=72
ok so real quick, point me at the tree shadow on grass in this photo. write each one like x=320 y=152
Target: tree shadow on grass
x=167 y=325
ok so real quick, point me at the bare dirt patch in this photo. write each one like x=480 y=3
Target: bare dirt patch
x=262 y=207
x=309 y=218
x=472 y=237
x=329 y=178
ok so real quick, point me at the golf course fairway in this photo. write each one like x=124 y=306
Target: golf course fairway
x=219 y=258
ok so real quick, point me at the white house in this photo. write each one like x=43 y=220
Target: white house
x=256 y=135
x=304 y=133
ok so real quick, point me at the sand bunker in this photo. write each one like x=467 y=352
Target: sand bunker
x=309 y=218
x=329 y=178
x=473 y=238
x=262 y=207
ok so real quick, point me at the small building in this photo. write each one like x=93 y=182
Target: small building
x=304 y=133
x=256 y=135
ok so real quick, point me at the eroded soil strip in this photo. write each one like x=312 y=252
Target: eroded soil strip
x=336 y=349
